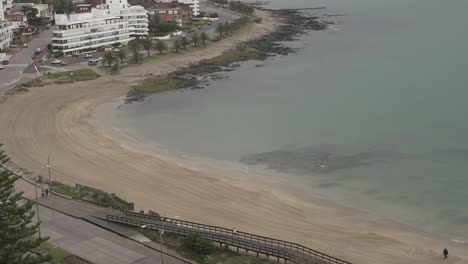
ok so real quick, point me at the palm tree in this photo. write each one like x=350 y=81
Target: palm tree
x=147 y=44
x=220 y=29
x=185 y=42
x=177 y=45
x=121 y=54
x=161 y=46
x=134 y=47
x=204 y=37
x=195 y=39
x=108 y=58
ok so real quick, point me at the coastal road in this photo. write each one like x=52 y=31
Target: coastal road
x=22 y=59
x=95 y=244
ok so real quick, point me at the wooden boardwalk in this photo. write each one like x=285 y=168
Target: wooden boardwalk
x=282 y=251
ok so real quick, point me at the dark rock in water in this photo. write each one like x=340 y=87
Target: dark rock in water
x=134 y=96
x=307 y=160
x=295 y=23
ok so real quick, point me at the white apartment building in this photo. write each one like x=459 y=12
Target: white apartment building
x=194 y=4
x=6 y=33
x=81 y=32
x=7 y=4
x=136 y=16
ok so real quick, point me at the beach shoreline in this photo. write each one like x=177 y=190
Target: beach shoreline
x=55 y=120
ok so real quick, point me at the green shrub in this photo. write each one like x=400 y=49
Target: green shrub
x=198 y=245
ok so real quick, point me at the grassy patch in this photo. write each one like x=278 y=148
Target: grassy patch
x=71 y=76
x=202 y=251
x=157 y=85
x=57 y=254
x=101 y=198
x=240 y=53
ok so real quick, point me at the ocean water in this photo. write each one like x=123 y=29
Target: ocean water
x=372 y=113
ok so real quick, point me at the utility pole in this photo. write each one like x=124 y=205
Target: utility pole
x=37 y=208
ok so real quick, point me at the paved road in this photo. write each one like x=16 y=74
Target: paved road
x=95 y=244
x=21 y=60
x=88 y=240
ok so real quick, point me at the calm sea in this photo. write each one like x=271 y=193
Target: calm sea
x=372 y=113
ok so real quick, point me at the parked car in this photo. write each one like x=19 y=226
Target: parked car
x=92 y=62
x=75 y=55
x=88 y=56
x=38 y=51
x=63 y=63
x=2 y=67
x=115 y=49
x=25 y=45
x=100 y=59
x=56 y=62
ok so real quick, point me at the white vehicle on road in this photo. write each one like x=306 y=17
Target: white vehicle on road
x=56 y=62
x=2 y=67
x=88 y=56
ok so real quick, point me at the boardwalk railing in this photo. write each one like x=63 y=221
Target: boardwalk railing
x=283 y=249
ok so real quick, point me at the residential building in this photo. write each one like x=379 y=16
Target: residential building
x=194 y=5
x=6 y=33
x=173 y=11
x=7 y=5
x=136 y=16
x=17 y=19
x=81 y=32
x=83 y=8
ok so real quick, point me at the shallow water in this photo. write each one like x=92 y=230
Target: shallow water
x=372 y=112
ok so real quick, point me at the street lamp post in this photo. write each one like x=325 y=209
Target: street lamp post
x=48 y=168
x=161 y=233
x=37 y=208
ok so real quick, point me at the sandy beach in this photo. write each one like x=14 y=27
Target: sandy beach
x=55 y=120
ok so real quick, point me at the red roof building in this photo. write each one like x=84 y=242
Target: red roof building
x=172 y=12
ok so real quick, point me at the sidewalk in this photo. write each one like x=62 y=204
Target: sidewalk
x=70 y=224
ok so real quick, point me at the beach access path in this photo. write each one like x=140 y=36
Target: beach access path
x=64 y=222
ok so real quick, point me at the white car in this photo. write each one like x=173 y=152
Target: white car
x=56 y=62
x=100 y=59
x=2 y=67
x=88 y=56
x=115 y=49
x=93 y=60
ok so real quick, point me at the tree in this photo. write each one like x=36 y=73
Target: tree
x=204 y=37
x=177 y=45
x=108 y=58
x=147 y=44
x=161 y=46
x=220 y=29
x=17 y=233
x=227 y=27
x=62 y=6
x=134 y=47
x=195 y=39
x=185 y=42
x=121 y=54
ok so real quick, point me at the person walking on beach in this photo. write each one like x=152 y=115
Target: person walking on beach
x=445 y=253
